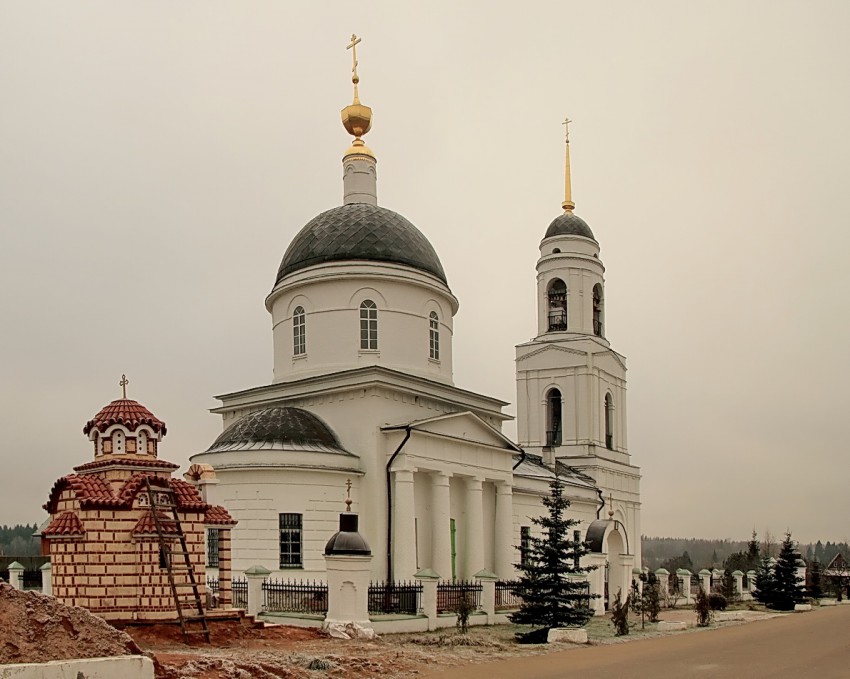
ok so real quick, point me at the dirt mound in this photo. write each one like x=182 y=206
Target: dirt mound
x=223 y=633
x=36 y=628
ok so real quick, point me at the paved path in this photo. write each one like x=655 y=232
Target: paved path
x=812 y=645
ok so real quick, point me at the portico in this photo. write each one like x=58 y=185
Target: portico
x=452 y=490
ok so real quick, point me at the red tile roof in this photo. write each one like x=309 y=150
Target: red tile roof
x=128 y=462
x=219 y=516
x=127 y=412
x=67 y=523
x=146 y=525
x=187 y=496
x=92 y=491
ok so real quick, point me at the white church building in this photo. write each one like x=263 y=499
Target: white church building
x=362 y=321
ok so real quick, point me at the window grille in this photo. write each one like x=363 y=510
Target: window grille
x=291 y=555
x=368 y=325
x=434 y=335
x=299 y=332
x=524 y=544
x=212 y=547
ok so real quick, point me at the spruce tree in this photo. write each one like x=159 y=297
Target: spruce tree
x=552 y=596
x=765 y=583
x=787 y=588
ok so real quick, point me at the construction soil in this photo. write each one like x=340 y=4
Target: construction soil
x=36 y=628
x=242 y=650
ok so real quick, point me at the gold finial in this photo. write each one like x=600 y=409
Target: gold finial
x=348 y=495
x=610 y=506
x=568 y=203
x=356 y=118
x=123 y=384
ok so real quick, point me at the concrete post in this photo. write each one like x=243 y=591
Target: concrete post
x=739 y=583
x=705 y=576
x=504 y=537
x=429 y=579
x=441 y=539
x=256 y=575
x=488 y=594
x=685 y=584
x=16 y=575
x=404 y=521
x=474 y=538
x=47 y=579
x=348 y=590
x=663 y=576
x=751 y=582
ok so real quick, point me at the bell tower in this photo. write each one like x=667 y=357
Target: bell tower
x=571 y=385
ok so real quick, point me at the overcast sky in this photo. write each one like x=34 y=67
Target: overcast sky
x=156 y=159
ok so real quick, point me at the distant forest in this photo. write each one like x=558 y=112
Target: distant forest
x=18 y=541
x=671 y=553
x=701 y=553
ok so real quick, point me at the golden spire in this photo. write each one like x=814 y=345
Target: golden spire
x=568 y=203
x=356 y=118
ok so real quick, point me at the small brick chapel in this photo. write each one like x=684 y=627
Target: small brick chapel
x=102 y=539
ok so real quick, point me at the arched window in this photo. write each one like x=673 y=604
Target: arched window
x=598 y=318
x=609 y=422
x=554 y=418
x=368 y=325
x=557 y=299
x=299 y=332
x=434 y=335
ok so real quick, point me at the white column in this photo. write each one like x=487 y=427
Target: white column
x=504 y=537
x=441 y=539
x=474 y=537
x=404 y=529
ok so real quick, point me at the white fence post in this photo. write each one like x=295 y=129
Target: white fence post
x=487 y=579
x=684 y=576
x=429 y=579
x=16 y=575
x=47 y=579
x=256 y=576
x=705 y=576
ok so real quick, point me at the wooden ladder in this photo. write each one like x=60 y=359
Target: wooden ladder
x=178 y=589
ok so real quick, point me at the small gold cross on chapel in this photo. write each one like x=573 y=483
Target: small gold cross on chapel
x=123 y=384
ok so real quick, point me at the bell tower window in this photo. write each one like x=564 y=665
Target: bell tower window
x=554 y=419
x=609 y=422
x=368 y=325
x=598 y=318
x=434 y=335
x=557 y=305
x=299 y=332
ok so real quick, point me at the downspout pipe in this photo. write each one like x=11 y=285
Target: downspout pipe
x=520 y=460
x=602 y=502
x=407 y=431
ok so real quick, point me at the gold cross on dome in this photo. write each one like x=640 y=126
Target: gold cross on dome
x=566 y=124
x=123 y=384
x=353 y=48
x=348 y=495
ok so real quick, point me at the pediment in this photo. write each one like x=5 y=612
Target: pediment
x=609 y=361
x=465 y=426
